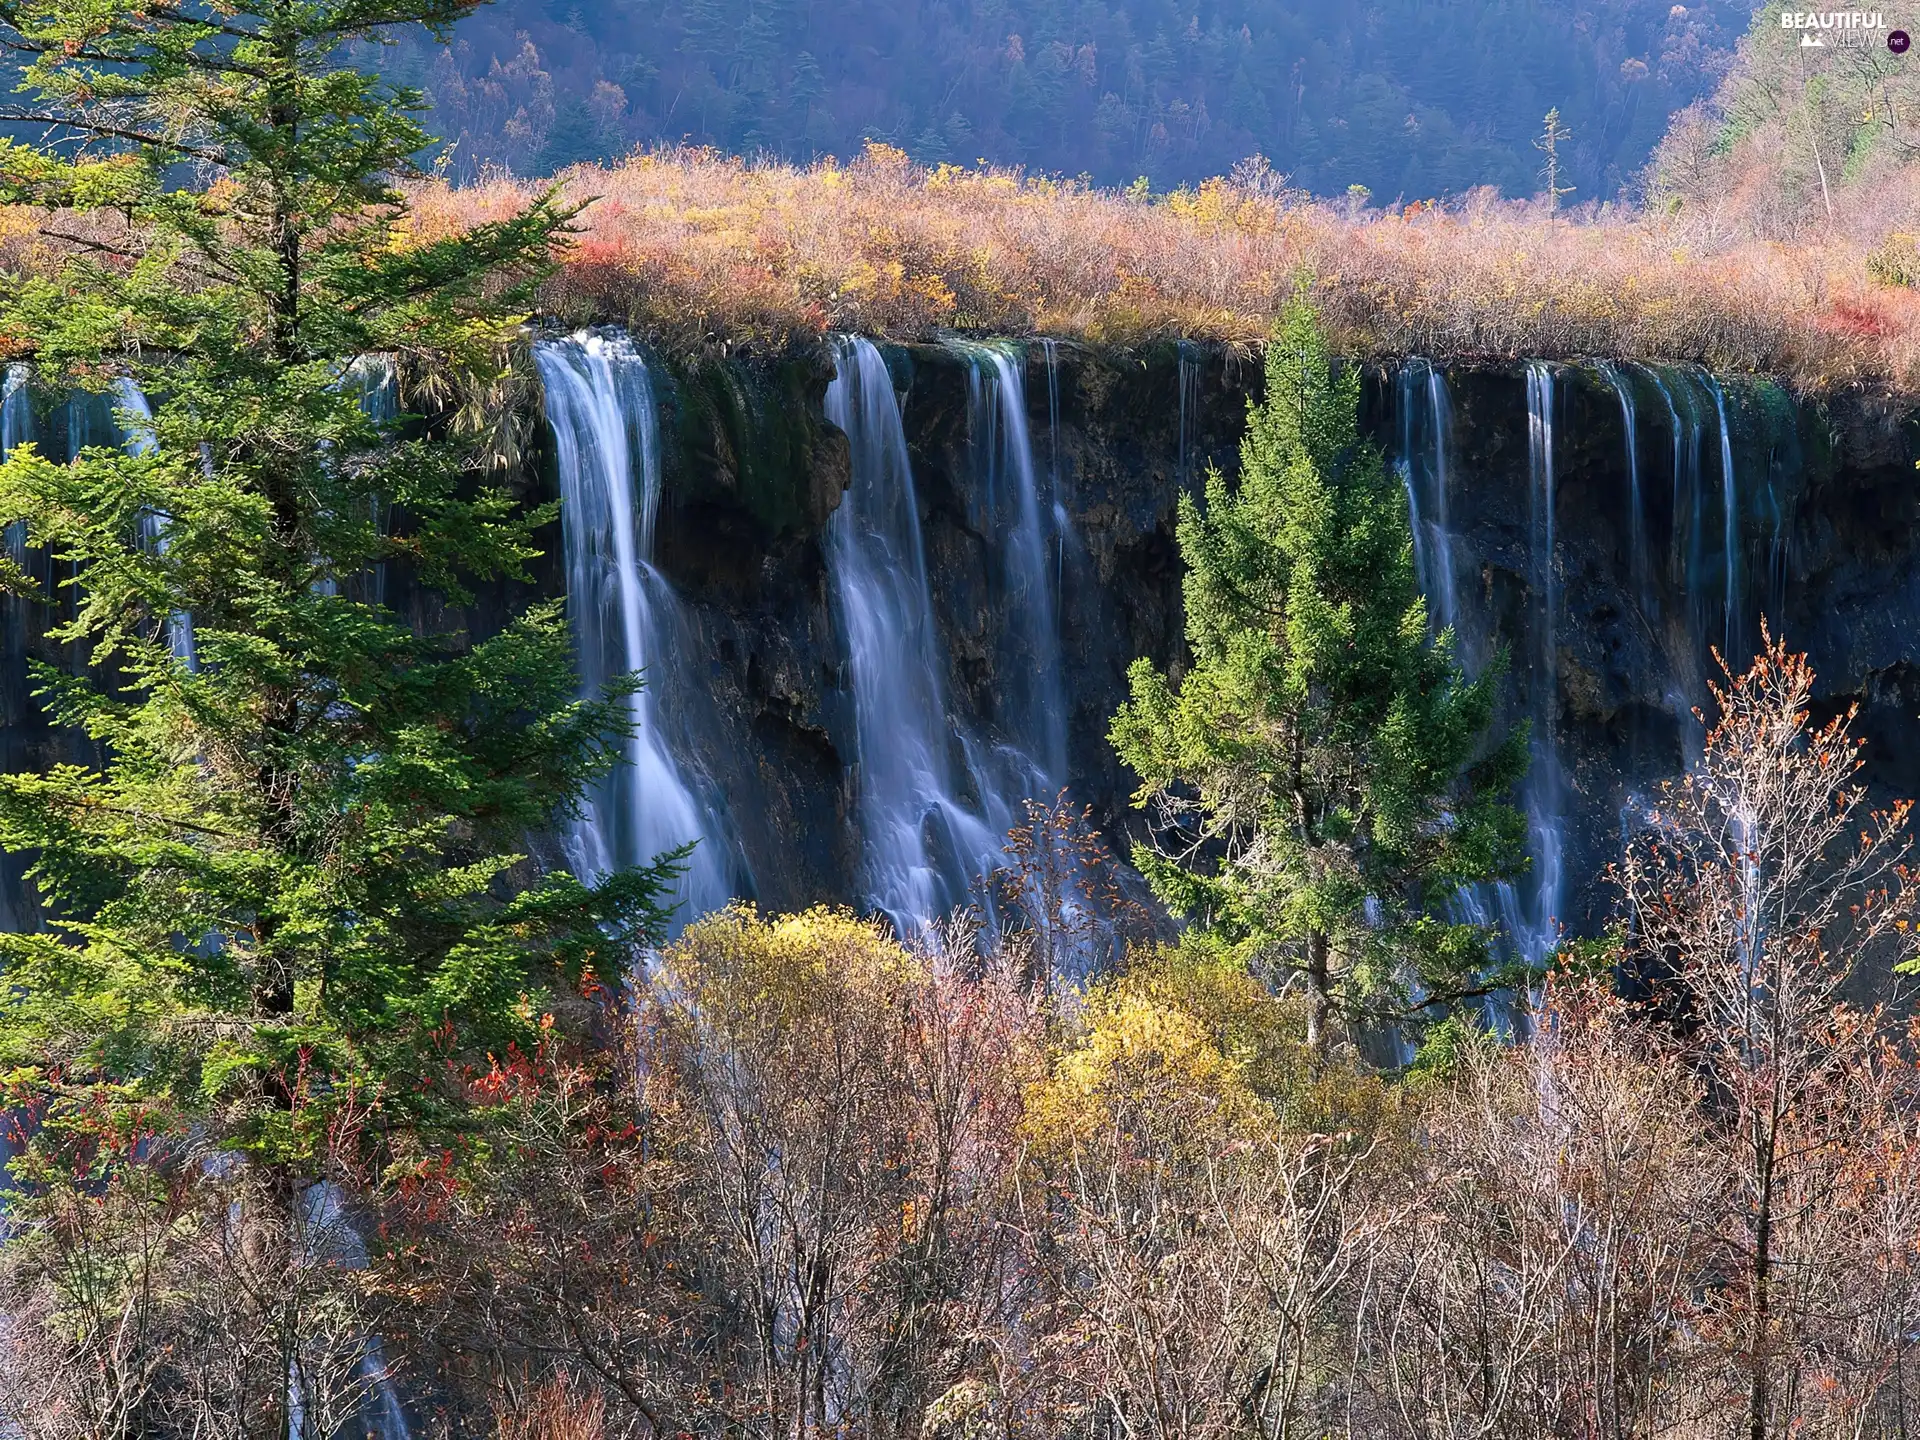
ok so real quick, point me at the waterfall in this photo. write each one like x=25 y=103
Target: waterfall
x=1639 y=571
x=16 y=415
x=1062 y=522
x=134 y=417
x=626 y=619
x=924 y=844
x=328 y=1238
x=1688 y=562
x=16 y=428
x=1545 y=801
x=376 y=386
x=1022 y=535
x=1189 y=369
x=1409 y=381
x=1440 y=412
x=937 y=797
x=1425 y=470
x=1730 y=519
x=1527 y=921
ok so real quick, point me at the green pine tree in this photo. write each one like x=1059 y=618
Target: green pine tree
x=298 y=881
x=1321 y=777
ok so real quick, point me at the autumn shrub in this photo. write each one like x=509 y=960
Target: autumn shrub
x=700 y=249
x=555 y=1410
x=1543 y=1279
x=1190 y=1230
x=842 y=1113
x=771 y=1205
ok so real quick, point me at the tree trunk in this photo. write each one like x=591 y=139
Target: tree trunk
x=1762 y=1300
x=1319 y=993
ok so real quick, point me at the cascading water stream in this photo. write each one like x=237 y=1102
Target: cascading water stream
x=924 y=842
x=134 y=416
x=1031 y=756
x=1188 y=359
x=1526 y=915
x=1062 y=522
x=1425 y=472
x=1730 y=520
x=1409 y=467
x=1440 y=411
x=626 y=619
x=1640 y=572
x=1688 y=551
x=376 y=386
x=1544 y=791
x=936 y=799
x=16 y=428
x=329 y=1238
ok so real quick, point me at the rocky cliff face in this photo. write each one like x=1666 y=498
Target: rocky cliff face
x=1660 y=541
x=1824 y=504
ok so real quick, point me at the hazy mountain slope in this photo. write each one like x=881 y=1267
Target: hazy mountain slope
x=1411 y=98
x=1801 y=142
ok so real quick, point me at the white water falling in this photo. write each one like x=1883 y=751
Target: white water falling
x=1440 y=413
x=626 y=618
x=1425 y=469
x=1030 y=755
x=1688 y=561
x=328 y=1237
x=134 y=416
x=1062 y=522
x=376 y=385
x=1409 y=467
x=1524 y=914
x=16 y=428
x=16 y=416
x=1639 y=571
x=924 y=842
x=1730 y=517
x=1545 y=798
x=1189 y=370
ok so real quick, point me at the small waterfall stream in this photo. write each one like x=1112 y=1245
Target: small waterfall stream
x=377 y=387
x=1639 y=564
x=16 y=428
x=1687 y=584
x=134 y=415
x=1024 y=536
x=924 y=841
x=937 y=795
x=1526 y=913
x=1730 y=527
x=1544 y=791
x=1188 y=360
x=1426 y=429
x=626 y=618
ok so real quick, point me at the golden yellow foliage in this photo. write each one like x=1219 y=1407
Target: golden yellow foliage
x=741 y=971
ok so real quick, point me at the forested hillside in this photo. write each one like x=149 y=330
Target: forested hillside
x=1410 y=98
x=1800 y=142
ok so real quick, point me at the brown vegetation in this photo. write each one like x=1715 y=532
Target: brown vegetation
x=695 y=248
x=825 y=1183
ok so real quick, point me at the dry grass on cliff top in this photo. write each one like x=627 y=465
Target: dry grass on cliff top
x=698 y=249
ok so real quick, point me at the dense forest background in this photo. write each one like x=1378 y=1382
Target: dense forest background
x=1410 y=98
